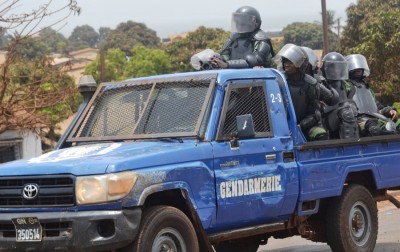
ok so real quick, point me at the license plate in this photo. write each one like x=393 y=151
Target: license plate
x=27 y=229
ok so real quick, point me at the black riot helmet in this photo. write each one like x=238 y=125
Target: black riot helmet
x=245 y=19
x=334 y=66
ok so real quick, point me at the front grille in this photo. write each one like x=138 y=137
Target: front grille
x=50 y=229
x=53 y=191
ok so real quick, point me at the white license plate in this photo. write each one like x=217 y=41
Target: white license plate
x=27 y=229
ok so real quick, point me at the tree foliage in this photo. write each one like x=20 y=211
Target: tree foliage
x=308 y=34
x=30 y=86
x=130 y=34
x=32 y=48
x=373 y=29
x=146 y=61
x=103 y=34
x=143 y=62
x=55 y=41
x=114 y=61
x=182 y=49
x=5 y=38
x=83 y=36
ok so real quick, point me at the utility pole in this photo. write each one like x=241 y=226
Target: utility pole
x=325 y=27
x=102 y=65
x=338 y=32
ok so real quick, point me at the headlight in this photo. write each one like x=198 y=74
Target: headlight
x=103 y=188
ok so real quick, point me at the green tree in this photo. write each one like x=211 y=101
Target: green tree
x=307 y=34
x=373 y=29
x=118 y=66
x=30 y=84
x=32 y=48
x=55 y=41
x=103 y=34
x=115 y=61
x=130 y=34
x=83 y=36
x=37 y=94
x=182 y=49
x=5 y=38
x=146 y=61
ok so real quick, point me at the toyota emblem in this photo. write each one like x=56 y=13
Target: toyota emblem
x=30 y=191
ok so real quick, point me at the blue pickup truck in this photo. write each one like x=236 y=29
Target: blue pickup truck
x=201 y=161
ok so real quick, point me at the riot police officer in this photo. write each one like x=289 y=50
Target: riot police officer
x=248 y=46
x=312 y=68
x=373 y=118
x=305 y=91
x=340 y=119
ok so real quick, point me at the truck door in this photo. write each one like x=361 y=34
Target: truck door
x=256 y=176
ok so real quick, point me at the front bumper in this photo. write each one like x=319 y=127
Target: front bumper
x=74 y=231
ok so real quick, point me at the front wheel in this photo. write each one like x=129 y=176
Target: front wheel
x=165 y=229
x=352 y=221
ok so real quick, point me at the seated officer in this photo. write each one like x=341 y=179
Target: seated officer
x=305 y=91
x=373 y=118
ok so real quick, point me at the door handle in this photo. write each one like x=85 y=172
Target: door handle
x=270 y=157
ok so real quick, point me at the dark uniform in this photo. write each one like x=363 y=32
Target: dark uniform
x=341 y=119
x=306 y=92
x=373 y=118
x=248 y=46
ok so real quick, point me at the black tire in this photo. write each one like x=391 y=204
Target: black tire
x=164 y=228
x=237 y=246
x=352 y=221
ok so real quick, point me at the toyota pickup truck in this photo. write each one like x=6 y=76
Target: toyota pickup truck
x=198 y=161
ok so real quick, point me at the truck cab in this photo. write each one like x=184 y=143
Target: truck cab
x=183 y=162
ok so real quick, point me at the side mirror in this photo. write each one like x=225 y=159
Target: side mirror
x=245 y=126
x=244 y=129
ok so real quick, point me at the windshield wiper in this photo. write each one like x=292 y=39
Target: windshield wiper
x=171 y=139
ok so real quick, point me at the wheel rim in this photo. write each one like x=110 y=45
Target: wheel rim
x=360 y=223
x=169 y=240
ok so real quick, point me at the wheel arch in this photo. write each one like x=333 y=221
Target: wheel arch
x=179 y=197
x=365 y=178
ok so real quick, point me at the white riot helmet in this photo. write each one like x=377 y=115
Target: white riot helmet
x=293 y=53
x=358 y=61
x=311 y=56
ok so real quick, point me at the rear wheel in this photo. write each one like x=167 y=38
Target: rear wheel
x=352 y=221
x=166 y=229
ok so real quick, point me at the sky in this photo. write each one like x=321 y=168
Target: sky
x=179 y=16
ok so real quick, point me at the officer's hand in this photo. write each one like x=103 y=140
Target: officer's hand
x=393 y=114
x=218 y=63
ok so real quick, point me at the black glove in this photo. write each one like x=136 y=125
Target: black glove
x=217 y=62
x=308 y=122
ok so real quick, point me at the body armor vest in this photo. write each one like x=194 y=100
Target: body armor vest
x=364 y=99
x=298 y=92
x=241 y=48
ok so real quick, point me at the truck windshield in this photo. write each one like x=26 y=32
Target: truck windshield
x=145 y=109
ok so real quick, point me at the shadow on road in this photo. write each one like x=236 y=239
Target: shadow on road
x=380 y=247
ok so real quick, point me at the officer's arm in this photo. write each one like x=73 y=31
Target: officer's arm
x=258 y=58
x=328 y=95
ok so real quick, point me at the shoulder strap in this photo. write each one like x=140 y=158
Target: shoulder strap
x=312 y=87
x=350 y=90
x=260 y=35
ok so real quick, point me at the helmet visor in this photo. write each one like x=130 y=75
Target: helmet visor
x=243 y=23
x=292 y=53
x=358 y=61
x=336 y=70
x=311 y=56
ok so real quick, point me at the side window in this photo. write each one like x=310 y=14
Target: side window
x=242 y=99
